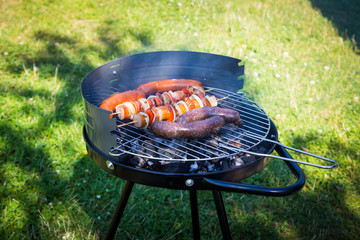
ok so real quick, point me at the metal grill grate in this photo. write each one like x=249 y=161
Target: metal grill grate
x=231 y=140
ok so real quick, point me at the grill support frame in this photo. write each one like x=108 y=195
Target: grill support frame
x=220 y=209
x=194 y=214
x=217 y=186
x=115 y=221
x=127 y=73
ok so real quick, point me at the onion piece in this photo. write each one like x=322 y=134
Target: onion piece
x=137 y=105
x=177 y=108
x=144 y=103
x=185 y=106
x=189 y=103
x=195 y=97
x=131 y=109
x=152 y=99
x=158 y=114
x=212 y=100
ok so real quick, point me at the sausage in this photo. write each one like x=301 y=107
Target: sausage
x=167 y=85
x=198 y=129
x=229 y=115
x=118 y=98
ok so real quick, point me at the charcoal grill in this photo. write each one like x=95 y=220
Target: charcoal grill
x=214 y=163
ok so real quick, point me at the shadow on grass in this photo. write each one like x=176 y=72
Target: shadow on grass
x=31 y=181
x=315 y=214
x=110 y=36
x=322 y=210
x=28 y=191
x=344 y=14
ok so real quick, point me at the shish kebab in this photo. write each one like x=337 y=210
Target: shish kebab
x=129 y=109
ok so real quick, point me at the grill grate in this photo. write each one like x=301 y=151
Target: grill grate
x=231 y=140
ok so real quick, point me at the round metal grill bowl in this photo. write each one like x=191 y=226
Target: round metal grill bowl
x=110 y=149
x=178 y=180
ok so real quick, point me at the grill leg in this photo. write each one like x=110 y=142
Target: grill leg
x=195 y=214
x=119 y=210
x=225 y=230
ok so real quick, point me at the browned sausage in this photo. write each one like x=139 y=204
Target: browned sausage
x=229 y=115
x=198 y=129
x=167 y=85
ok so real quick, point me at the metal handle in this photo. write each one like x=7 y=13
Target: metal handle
x=286 y=158
x=293 y=160
x=262 y=190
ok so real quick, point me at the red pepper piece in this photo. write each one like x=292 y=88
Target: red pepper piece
x=187 y=92
x=151 y=115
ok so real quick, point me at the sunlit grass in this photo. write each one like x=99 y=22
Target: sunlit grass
x=301 y=67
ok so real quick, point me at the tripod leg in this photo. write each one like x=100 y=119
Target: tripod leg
x=225 y=230
x=119 y=210
x=195 y=214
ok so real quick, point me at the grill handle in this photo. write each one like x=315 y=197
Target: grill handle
x=262 y=190
x=334 y=164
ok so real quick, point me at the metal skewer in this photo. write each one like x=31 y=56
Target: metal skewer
x=125 y=124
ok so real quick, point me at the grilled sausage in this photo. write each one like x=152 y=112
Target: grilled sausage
x=229 y=115
x=197 y=129
x=121 y=97
x=167 y=85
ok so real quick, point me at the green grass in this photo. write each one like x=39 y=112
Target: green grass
x=302 y=66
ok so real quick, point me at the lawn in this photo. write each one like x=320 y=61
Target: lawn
x=302 y=66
